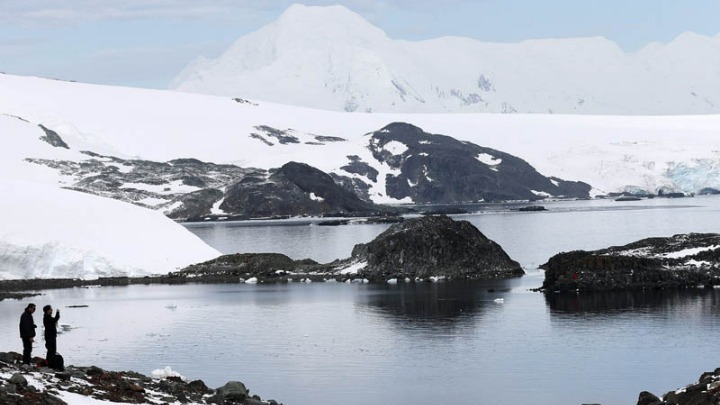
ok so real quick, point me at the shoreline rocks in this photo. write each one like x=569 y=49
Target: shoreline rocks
x=705 y=392
x=680 y=261
x=31 y=385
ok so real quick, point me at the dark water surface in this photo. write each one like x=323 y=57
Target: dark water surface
x=493 y=342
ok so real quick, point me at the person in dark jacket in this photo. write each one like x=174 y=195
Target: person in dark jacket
x=27 y=332
x=50 y=324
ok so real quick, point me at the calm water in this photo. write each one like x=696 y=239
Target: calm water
x=323 y=343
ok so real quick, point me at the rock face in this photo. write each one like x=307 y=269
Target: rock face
x=685 y=260
x=295 y=189
x=440 y=169
x=705 y=392
x=423 y=168
x=188 y=189
x=434 y=246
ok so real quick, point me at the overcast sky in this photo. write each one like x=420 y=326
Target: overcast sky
x=145 y=43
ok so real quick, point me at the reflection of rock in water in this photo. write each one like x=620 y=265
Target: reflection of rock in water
x=609 y=302
x=438 y=304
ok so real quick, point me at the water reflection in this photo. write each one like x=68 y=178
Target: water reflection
x=705 y=300
x=434 y=305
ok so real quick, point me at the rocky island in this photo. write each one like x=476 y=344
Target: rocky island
x=684 y=260
x=705 y=392
x=424 y=248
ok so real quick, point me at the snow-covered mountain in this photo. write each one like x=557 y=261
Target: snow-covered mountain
x=331 y=58
x=55 y=134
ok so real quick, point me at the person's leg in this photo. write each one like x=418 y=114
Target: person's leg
x=51 y=345
x=27 y=350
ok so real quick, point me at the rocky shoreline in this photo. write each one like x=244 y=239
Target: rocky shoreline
x=32 y=385
x=705 y=392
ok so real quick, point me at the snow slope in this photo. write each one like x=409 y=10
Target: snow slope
x=331 y=58
x=49 y=232
x=610 y=153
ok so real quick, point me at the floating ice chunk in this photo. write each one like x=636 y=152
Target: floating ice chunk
x=251 y=280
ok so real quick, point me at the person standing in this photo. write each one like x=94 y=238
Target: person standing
x=27 y=331
x=50 y=324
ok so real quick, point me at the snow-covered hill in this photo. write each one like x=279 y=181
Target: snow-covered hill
x=610 y=153
x=49 y=232
x=331 y=58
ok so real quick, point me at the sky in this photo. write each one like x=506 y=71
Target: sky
x=146 y=43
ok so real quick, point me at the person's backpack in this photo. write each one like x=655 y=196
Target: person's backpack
x=56 y=362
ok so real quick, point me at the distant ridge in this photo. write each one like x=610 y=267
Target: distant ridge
x=331 y=58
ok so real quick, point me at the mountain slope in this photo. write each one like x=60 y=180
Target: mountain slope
x=608 y=152
x=330 y=58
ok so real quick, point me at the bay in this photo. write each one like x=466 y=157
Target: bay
x=490 y=342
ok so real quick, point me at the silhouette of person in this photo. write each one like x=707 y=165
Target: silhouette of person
x=27 y=332
x=50 y=324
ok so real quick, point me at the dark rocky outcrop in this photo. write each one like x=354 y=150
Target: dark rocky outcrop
x=197 y=204
x=418 y=248
x=705 y=392
x=709 y=191
x=433 y=246
x=440 y=169
x=295 y=189
x=109 y=386
x=232 y=268
x=532 y=208
x=685 y=260
x=357 y=166
x=53 y=138
x=426 y=168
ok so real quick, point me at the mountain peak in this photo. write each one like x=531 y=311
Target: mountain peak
x=327 y=22
x=332 y=58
